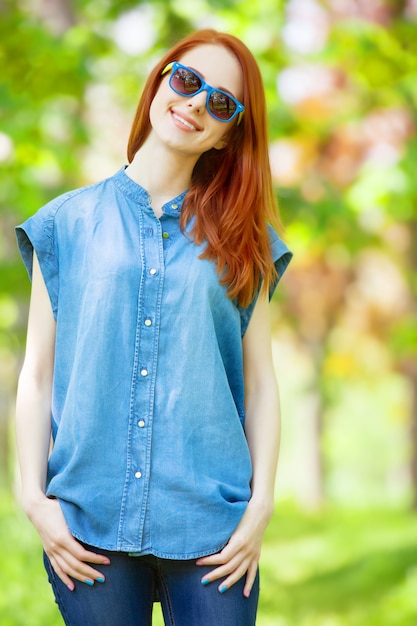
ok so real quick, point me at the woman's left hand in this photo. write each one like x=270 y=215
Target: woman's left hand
x=241 y=555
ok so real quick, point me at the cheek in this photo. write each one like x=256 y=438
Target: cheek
x=161 y=99
x=153 y=110
x=157 y=109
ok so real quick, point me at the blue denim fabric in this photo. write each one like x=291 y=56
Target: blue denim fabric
x=126 y=598
x=149 y=453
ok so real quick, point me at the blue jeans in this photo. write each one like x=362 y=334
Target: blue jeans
x=133 y=583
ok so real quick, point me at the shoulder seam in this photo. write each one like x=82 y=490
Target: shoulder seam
x=69 y=195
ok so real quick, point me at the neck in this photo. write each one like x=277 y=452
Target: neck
x=163 y=173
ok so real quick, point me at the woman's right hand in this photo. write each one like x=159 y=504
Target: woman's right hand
x=68 y=557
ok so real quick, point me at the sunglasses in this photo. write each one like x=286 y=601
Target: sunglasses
x=220 y=104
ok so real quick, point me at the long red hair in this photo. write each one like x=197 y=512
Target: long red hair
x=231 y=194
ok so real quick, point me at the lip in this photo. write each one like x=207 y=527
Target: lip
x=187 y=119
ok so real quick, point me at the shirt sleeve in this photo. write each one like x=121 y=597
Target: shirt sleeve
x=282 y=257
x=37 y=234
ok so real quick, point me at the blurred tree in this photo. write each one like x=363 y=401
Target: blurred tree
x=343 y=162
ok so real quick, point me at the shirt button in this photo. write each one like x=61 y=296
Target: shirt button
x=138 y=475
x=174 y=205
x=152 y=271
x=165 y=235
x=148 y=322
x=144 y=372
x=141 y=423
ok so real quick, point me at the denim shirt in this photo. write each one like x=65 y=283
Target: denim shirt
x=149 y=454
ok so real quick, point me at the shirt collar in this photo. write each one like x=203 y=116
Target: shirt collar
x=135 y=191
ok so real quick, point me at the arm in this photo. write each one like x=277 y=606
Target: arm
x=262 y=422
x=33 y=434
x=262 y=426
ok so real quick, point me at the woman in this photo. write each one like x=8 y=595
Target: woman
x=148 y=344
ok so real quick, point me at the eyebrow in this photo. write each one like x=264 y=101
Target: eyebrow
x=202 y=76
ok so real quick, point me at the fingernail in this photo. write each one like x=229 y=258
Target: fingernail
x=106 y=562
x=205 y=582
x=70 y=587
x=88 y=581
x=100 y=579
x=223 y=589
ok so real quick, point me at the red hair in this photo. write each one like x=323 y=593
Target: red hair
x=231 y=194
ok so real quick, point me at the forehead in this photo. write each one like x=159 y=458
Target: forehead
x=217 y=65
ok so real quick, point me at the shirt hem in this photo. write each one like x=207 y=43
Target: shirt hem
x=179 y=557
x=131 y=551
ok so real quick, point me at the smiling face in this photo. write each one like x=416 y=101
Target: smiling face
x=183 y=123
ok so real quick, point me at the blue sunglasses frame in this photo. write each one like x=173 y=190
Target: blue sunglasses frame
x=174 y=66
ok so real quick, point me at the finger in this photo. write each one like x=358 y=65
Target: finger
x=228 y=552
x=66 y=564
x=250 y=578
x=61 y=574
x=86 y=575
x=223 y=570
x=69 y=547
x=93 y=557
x=81 y=570
x=244 y=567
x=213 y=559
x=215 y=574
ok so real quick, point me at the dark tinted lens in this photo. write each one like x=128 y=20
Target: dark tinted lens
x=221 y=105
x=185 y=82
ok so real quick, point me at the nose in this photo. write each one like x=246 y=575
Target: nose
x=198 y=102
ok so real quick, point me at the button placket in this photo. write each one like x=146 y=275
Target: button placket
x=147 y=332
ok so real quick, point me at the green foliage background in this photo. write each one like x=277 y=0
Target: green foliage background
x=343 y=150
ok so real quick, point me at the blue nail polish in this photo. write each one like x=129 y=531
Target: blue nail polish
x=88 y=581
x=205 y=582
x=100 y=579
x=223 y=589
